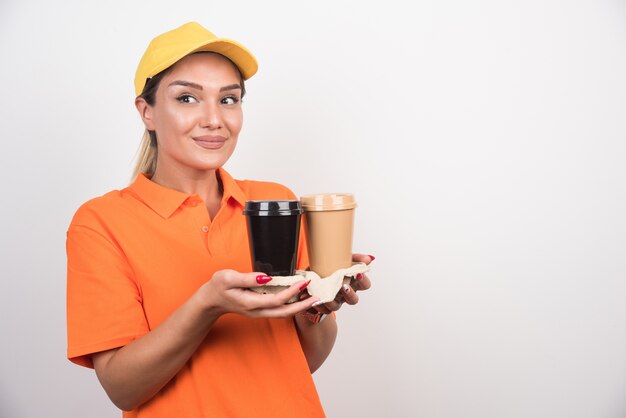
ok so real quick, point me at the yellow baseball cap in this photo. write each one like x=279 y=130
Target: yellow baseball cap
x=168 y=48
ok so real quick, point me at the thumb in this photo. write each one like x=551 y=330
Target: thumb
x=259 y=279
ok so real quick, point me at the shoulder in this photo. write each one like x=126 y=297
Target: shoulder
x=257 y=190
x=95 y=211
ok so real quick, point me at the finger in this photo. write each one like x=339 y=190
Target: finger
x=234 y=279
x=327 y=307
x=363 y=258
x=323 y=308
x=271 y=300
x=349 y=295
x=331 y=306
x=260 y=279
x=361 y=282
x=285 y=310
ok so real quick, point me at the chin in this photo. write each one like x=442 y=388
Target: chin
x=210 y=164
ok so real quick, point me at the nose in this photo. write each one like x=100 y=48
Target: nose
x=211 y=116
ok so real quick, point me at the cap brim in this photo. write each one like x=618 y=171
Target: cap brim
x=237 y=53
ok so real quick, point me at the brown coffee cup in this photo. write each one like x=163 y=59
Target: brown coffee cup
x=328 y=223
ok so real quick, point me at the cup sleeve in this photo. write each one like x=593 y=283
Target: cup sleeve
x=104 y=303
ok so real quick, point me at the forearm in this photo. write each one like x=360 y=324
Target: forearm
x=134 y=373
x=317 y=340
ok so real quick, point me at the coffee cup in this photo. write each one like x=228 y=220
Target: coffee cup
x=273 y=234
x=328 y=223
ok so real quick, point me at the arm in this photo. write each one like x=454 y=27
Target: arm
x=318 y=339
x=134 y=373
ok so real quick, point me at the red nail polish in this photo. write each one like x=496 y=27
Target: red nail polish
x=305 y=284
x=372 y=257
x=359 y=276
x=262 y=279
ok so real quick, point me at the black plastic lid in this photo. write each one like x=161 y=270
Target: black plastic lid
x=272 y=208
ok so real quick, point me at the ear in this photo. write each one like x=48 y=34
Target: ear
x=145 y=111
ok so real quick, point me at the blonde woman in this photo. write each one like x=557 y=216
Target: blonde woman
x=158 y=272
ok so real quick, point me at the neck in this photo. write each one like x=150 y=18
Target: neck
x=204 y=183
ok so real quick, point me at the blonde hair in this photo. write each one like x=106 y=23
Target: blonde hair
x=146 y=155
x=148 y=149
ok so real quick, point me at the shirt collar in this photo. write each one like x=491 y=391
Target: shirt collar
x=231 y=188
x=164 y=201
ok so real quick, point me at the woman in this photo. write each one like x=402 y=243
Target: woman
x=157 y=293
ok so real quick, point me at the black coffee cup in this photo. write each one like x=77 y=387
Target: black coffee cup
x=273 y=234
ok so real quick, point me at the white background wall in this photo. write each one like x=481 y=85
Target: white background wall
x=485 y=142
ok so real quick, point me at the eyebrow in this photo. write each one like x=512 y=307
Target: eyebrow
x=186 y=84
x=231 y=87
x=199 y=87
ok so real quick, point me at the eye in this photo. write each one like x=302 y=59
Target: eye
x=230 y=100
x=186 y=98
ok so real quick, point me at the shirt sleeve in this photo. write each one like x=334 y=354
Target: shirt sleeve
x=104 y=303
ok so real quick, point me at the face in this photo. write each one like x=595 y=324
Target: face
x=197 y=114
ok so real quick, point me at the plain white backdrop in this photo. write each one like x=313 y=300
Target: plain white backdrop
x=485 y=142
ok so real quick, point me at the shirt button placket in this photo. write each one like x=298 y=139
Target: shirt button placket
x=205 y=231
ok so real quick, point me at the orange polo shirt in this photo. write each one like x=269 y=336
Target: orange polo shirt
x=135 y=255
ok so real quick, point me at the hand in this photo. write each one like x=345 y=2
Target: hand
x=348 y=292
x=228 y=292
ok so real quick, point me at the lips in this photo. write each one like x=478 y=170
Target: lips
x=209 y=142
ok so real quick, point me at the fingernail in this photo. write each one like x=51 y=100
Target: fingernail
x=372 y=257
x=346 y=288
x=305 y=284
x=359 y=276
x=262 y=279
x=318 y=303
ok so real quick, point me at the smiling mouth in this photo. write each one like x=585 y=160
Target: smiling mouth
x=210 y=142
